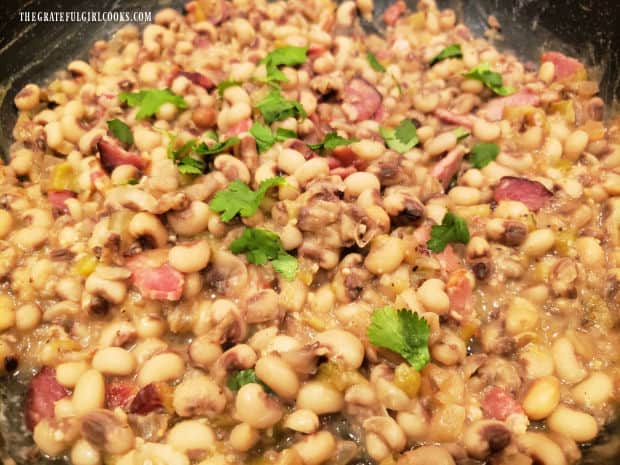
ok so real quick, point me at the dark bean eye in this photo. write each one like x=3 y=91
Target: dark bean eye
x=10 y=364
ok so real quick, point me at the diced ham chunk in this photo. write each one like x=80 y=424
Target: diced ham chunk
x=452 y=118
x=43 y=391
x=119 y=394
x=495 y=108
x=58 y=197
x=459 y=290
x=112 y=155
x=198 y=79
x=448 y=259
x=565 y=67
x=393 y=12
x=343 y=171
x=154 y=278
x=532 y=193
x=241 y=126
x=362 y=100
x=499 y=404
x=146 y=400
x=445 y=169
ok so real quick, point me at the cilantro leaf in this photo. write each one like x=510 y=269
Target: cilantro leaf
x=283 y=56
x=150 y=100
x=451 y=51
x=374 y=63
x=238 y=198
x=403 y=138
x=265 y=138
x=121 y=131
x=482 y=154
x=489 y=78
x=187 y=148
x=218 y=147
x=461 y=133
x=190 y=165
x=403 y=332
x=222 y=86
x=274 y=107
x=451 y=229
x=133 y=182
x=261 y=246
x=331 y=141
x=240 y=378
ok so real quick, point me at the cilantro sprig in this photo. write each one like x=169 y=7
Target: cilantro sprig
x=330 y=142
x=150 y=100
x=265 y=138
x=482 y=154
x=121 y=131
x=283 y=56
x=494 y=81
x=274 y=107
x=223 y=85
x=262 y=246
x=461 y=133
x=401 y=139
x=451 y=230
x=239 y=199
x=374 y=63
x=240 y=378
x=403 y=332
x=190 y=156
x=451 y=51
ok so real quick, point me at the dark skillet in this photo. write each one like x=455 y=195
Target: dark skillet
x=589 y=29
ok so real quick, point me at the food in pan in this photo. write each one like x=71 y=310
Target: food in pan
x=255 y=234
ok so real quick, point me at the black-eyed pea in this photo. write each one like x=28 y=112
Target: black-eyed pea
x=150 y=325
x=463 y=195
x=367 y=149
x=449 y=350
x=541 y=447
x=360 y=181
x=123 y=174
x=343 y=347
x=162 y=367
x=114 y=361
x=385 y=255
x=425 y=455
x=28 y=98
x=63 y=408
x=302 y=420
x=145 y=139
x=203 y=352
x=290 y=160
x=266 y=170
x=89 y=392
x=84 y=453
x=432 y=296
x=593 y=391
x=521 y=316
x=414 y=424
x=191 y=435
x=311 y=169
x=291 y=237
x=361 y=394
x=376 y=447
x=21 y=161
x=191 y=221
x=389 y=431
x=316 y=448
x=426 y=102
x=54 y=436
x=243 y=437
x=440 y=144
x=71 y=130
x=538 y=242
x=574 y=424
x=117 y=333
x=30 y=238
x=575 y=144
x=108 y=432
x=485 y=131
x=567 y=366
x=27 y=317
x=256 y=408
x=7 y=312
x=320 y=397
x=345 y=13
x=536 y=361
x=278 y=375
x=590 y=252
x=148 y=227
x=110 y=290
x=190 y=257
x=6 y=223
x=391 y=396
x=233 y=168
x=68 y=373
x=198 y=395
x=542 y=398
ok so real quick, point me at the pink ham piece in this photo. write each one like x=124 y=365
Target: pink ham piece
x=112 y=155
x=198 y=79
x=119 y=394
x=154 y=277
x=445 y=169
x=499 y=404
x=241 y=126
x=495 y=108
x=43 y=391
x=532 y=193
x=565 y=67
x=452 y=118
x=393 y=12
x=58 y=197
x=146 y=400
x=361 y=100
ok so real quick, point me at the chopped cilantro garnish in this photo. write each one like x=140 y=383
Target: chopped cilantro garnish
x=331 y=141
x=121 y=131
x=451 y=51
x=265 y=138
x=239 y=199
x=274 y=107
x=261 y=246
x=374 y=63
x=240 y=378
x=222 y=86
x=403 y=332
x=482 y=154
x=401 y=139
x=451 y=230
x=461 y=133
x=489 y=78
x=150 y=100
x=283 y=56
